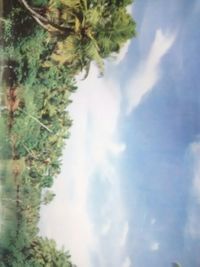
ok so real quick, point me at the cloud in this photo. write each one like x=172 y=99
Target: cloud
x=106 y=228
x=192 y=224
x=124 y=235
x=117 y=149
x=104 y=107
x=66 y=219
x=155 y=246
x=195 y=150
x=127 y=262
x=93 y=147
x=148 y=72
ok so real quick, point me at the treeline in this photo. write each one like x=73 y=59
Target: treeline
x=43 y=46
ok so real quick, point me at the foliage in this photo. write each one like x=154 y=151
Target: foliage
x=45 y=253
x=46 y=42
x=48 y=197
x=84 y=31
x=175 y=264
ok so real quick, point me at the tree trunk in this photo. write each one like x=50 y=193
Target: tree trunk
x=43 y=21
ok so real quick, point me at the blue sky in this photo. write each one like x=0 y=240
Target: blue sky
x=129 y=192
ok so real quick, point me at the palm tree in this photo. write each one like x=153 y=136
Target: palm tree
x=85 y=30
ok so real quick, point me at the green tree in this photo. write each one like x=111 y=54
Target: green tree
x=84 y=31
x=44 y=252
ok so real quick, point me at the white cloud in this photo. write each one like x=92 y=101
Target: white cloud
x=106 y=228
x=148 y=72
x=66 y=218
x=117 y=149
x=93 y=145
x=155 y=246
x=104 y=106
x=124 y=235
x=127 y=262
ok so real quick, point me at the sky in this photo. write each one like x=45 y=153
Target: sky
x=129 y=191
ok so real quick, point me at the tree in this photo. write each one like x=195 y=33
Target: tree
x=48 y=197
x=84 y=31
x=44 y=252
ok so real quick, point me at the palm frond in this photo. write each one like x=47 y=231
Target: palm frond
x=91 y=51
x=71 y=3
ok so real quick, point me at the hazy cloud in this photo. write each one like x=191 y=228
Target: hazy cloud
x=106 y=228
x=124 y=235
x=127 y=262
x=148 y=71
x=192 y=225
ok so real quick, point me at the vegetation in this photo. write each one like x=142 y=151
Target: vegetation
x=175 y=264
x=44 y=44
